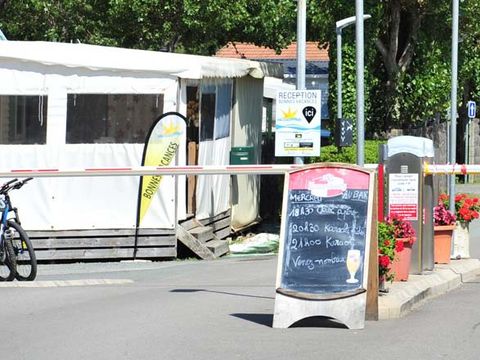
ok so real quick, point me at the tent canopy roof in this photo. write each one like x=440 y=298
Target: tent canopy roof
x=95 y=57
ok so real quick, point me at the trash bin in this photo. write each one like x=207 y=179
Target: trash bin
x=241 y=155
x=410 y=194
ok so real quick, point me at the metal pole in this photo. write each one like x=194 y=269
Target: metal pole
x=453 y=107
x=339 y=74
x=339 y=27
x=359 y=52
x=467 y=146
x=301 y=43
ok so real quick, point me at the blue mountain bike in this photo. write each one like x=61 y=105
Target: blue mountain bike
x=17 y=256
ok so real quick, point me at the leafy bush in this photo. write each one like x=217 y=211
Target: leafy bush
x=349 y=154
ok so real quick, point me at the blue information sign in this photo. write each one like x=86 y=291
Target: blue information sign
x=472 y=109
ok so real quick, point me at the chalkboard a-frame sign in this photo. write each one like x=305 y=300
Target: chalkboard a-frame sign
x=324 y=244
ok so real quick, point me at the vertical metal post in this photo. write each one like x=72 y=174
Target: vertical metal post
x=339 y=27
x=453 y=106
x=301 y=42
x=467 y=146
x=301 y=58
x=359 y=54
x=339 y=74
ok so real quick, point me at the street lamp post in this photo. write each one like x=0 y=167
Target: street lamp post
x=360 y=68
x=340 y=25
x=301 y=56
x=453 y=106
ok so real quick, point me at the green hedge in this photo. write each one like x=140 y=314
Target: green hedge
x=348 y=155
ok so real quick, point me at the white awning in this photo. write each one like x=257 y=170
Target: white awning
x=96 y=57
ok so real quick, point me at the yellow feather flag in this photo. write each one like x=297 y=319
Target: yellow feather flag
x=160 y=149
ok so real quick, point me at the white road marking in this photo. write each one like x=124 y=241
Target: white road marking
x=64 y=283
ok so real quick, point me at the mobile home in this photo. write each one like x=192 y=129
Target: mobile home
x=84 y=106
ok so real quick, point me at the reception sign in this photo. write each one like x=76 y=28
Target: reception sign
x=298 y=123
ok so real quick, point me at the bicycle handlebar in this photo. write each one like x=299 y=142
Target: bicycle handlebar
x=16 y=185
x=8 y=183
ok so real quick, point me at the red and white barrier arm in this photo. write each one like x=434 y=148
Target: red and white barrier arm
x=450 y=169
x=151 y=170
x=157 y=170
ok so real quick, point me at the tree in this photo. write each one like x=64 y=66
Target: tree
x=55 y=20
x=407 y=57
x=194 y=26
x=396 y=43
x=407 y=42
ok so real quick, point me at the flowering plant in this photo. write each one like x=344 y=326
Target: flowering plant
x=386 y=250
x=466 y=208
x=389 y=233
x=402 y=229
x=442 y=216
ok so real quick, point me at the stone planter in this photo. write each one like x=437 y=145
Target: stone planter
x=461 y=241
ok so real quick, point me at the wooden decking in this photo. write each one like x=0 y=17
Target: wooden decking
x=113 y=244
x=103 y=244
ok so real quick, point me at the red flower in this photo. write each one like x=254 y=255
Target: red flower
x=466 y=207
x=399 y=246
x=443 y=197
x=384 y=261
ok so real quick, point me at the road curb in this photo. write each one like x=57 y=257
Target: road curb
x=403 y=297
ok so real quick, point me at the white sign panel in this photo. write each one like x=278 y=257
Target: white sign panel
x=297 y=128
x=403 y=195
x=472 y=109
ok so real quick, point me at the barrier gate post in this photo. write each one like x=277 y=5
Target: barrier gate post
x=409 y=193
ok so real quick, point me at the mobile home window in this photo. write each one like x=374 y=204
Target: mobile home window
x=215 y=107
x=111 y=118
x=224 y=104
x=23 y=120
x=207 y=113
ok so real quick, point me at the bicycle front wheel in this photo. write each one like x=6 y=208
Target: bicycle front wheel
x=8 y=261
x=25 y=254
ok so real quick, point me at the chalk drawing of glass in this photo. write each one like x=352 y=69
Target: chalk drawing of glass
x=353 y=263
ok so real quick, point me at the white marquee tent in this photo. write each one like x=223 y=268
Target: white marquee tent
x=50 y=91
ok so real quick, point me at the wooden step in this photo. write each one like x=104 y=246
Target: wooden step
x=218 y=247
x=193 y=244
x=202 y=233
x=190 y=223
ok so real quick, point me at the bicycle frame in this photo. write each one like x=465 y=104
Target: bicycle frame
x=6 y=206
x=18 y=253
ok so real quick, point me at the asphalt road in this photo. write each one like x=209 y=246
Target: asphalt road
x=210 y=310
